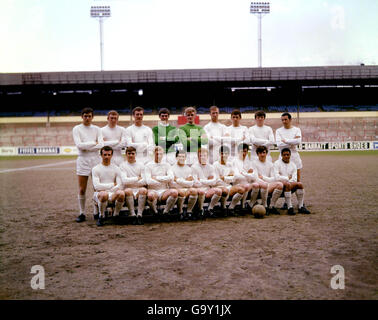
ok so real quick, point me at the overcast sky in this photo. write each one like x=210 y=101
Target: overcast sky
x=60 y=35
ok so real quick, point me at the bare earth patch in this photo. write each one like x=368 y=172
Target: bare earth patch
x=278 y=257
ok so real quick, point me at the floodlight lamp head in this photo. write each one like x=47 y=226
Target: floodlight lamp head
x=100 y=11
x=260 y=7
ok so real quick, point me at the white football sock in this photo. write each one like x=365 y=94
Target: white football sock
x=180 y=204
x=81 y=199
x=117 y=207
x=130 y=205
x=300 y=197
x=191 y=203
x=141 y=204
x=244 y=198
x=214 y=200
x=102 y=206
x=235 y=200
x=169 y=204
x=276 y=194
x=95 y=208
x=288 y=199
x=254 y=195
x=264 y=196
x=201 y=200
x=223 y=201
x=152 y=205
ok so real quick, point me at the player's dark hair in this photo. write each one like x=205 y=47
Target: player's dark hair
x=224 y=149
x=202 y=150
x=137 y=109
x=128 y=149
x=236 y=112
x=285 y=150
x=180 y=152
x=261 y=149
x=243 y=146
x=286 y=114
x=164 y=110
x=260 y=113
x=87 y=110
x=106 y=148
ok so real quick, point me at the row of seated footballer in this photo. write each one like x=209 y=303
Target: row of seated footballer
x=125 y=217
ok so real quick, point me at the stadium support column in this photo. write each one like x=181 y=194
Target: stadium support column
x=259 y=40
x=299 y=95
x=100 y=12
x=101 y=44
x=259 y=9
x=48 y=119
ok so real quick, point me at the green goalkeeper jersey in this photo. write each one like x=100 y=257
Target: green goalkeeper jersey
x=166 y=137
x=195 y=137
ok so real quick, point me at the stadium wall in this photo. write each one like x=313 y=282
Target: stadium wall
x=320 y=131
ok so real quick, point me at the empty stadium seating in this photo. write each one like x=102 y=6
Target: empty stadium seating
x=201 y=110
x=317 y=129
x=313 y=130
x=337 y=108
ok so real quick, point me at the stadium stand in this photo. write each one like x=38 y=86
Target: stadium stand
x=200 y=110
x=337 y=108
x=317 y=129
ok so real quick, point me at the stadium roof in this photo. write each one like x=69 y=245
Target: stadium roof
x=248 y=76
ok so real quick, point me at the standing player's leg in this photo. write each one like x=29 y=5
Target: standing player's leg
x=298 y=163
x=296 y=158
x=83 y=171
x=83 y=181
x=95 y=208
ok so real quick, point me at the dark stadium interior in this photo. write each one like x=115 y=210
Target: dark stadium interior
x=40 y=102
x=285 y=89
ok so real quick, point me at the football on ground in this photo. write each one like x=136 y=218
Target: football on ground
x=258 y=211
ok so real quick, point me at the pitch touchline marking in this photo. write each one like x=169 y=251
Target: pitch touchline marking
x=40 y=166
